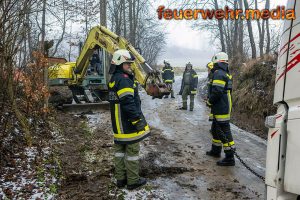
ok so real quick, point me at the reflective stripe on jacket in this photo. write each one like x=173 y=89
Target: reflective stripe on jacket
x=220 y=93
x=168 y=74
x=125 y=108
x=209 y=83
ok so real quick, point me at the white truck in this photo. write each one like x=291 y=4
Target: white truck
x=283 y=152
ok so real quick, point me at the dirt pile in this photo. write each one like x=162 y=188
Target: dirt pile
x=252 y=94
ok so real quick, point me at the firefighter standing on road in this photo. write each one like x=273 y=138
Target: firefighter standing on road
x=168 y=77
x=128 y=122
x=210 y=66
x=220 y=103
x=188 y=86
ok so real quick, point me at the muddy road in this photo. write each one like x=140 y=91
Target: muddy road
x=173 y=158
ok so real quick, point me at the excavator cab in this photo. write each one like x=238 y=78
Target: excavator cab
x=93 y=87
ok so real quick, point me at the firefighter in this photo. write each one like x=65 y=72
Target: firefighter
x=188 y=86
x=168 y=77
x=96 y=64
x=209 y=67
x=128 y=122
x=220 y=103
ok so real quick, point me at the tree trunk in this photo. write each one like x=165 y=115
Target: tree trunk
x=241 y=34
x=28 y=29
x=42 y=48
x=268 y=29
x=250 y=31
x=23 y=121
x=124 y=18
x=220 y=25
x=260 y=33
x=63 y=30
x=235 y=33
x=103 y=20
x=131 y=21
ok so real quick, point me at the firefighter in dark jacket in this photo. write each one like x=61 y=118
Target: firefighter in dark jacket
x=221 y=103
x=168 y=77
x=128 y=122
x=209 y=67
x=188 y=86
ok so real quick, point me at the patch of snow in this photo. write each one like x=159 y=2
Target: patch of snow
x=24 y=181
x=94 y=120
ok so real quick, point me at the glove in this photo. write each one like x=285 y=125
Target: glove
x=140 y=124
x=180 y=93
x=208 y=104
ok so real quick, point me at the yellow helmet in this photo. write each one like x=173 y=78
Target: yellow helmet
x=210 y=65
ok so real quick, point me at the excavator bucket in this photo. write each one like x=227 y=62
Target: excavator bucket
x=158 y=90
x=154 y=86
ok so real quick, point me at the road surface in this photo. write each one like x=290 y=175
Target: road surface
x=174 y=157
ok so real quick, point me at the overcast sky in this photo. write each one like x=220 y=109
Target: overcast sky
x=187 y=45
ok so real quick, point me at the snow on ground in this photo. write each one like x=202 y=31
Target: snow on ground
x=27 y=181
x=34 y=174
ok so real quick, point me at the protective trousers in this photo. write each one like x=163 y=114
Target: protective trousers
x=186 y=91
x=127 y=162
x=170 y=86
x=222 y=136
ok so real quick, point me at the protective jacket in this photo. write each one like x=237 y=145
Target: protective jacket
x=209 y=83
x=125 y=107
x=220 y=92
x=168 y=74
x=193 y=84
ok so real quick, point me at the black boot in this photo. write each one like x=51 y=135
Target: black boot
x=172 y=97
x=121 y=183
x=182 y=108
x=215 y=151
x=228 y=160
x=141 y=182
x=166 y=97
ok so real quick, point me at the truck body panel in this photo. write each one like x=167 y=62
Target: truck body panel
x=283 y=159
x=282 y=58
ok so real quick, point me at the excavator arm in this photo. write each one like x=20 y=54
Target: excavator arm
x=100 y=36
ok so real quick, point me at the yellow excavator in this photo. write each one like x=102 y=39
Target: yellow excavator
x=85 y=81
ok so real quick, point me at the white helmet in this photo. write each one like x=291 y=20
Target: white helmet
x=122 y=56
x=166 y=62
x=220 y=57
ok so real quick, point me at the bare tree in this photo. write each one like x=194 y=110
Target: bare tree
x=268 y=29
x=250 y=31
x=13 y=33
x=134 y=20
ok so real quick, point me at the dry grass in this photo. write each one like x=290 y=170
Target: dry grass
x=253 y=92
